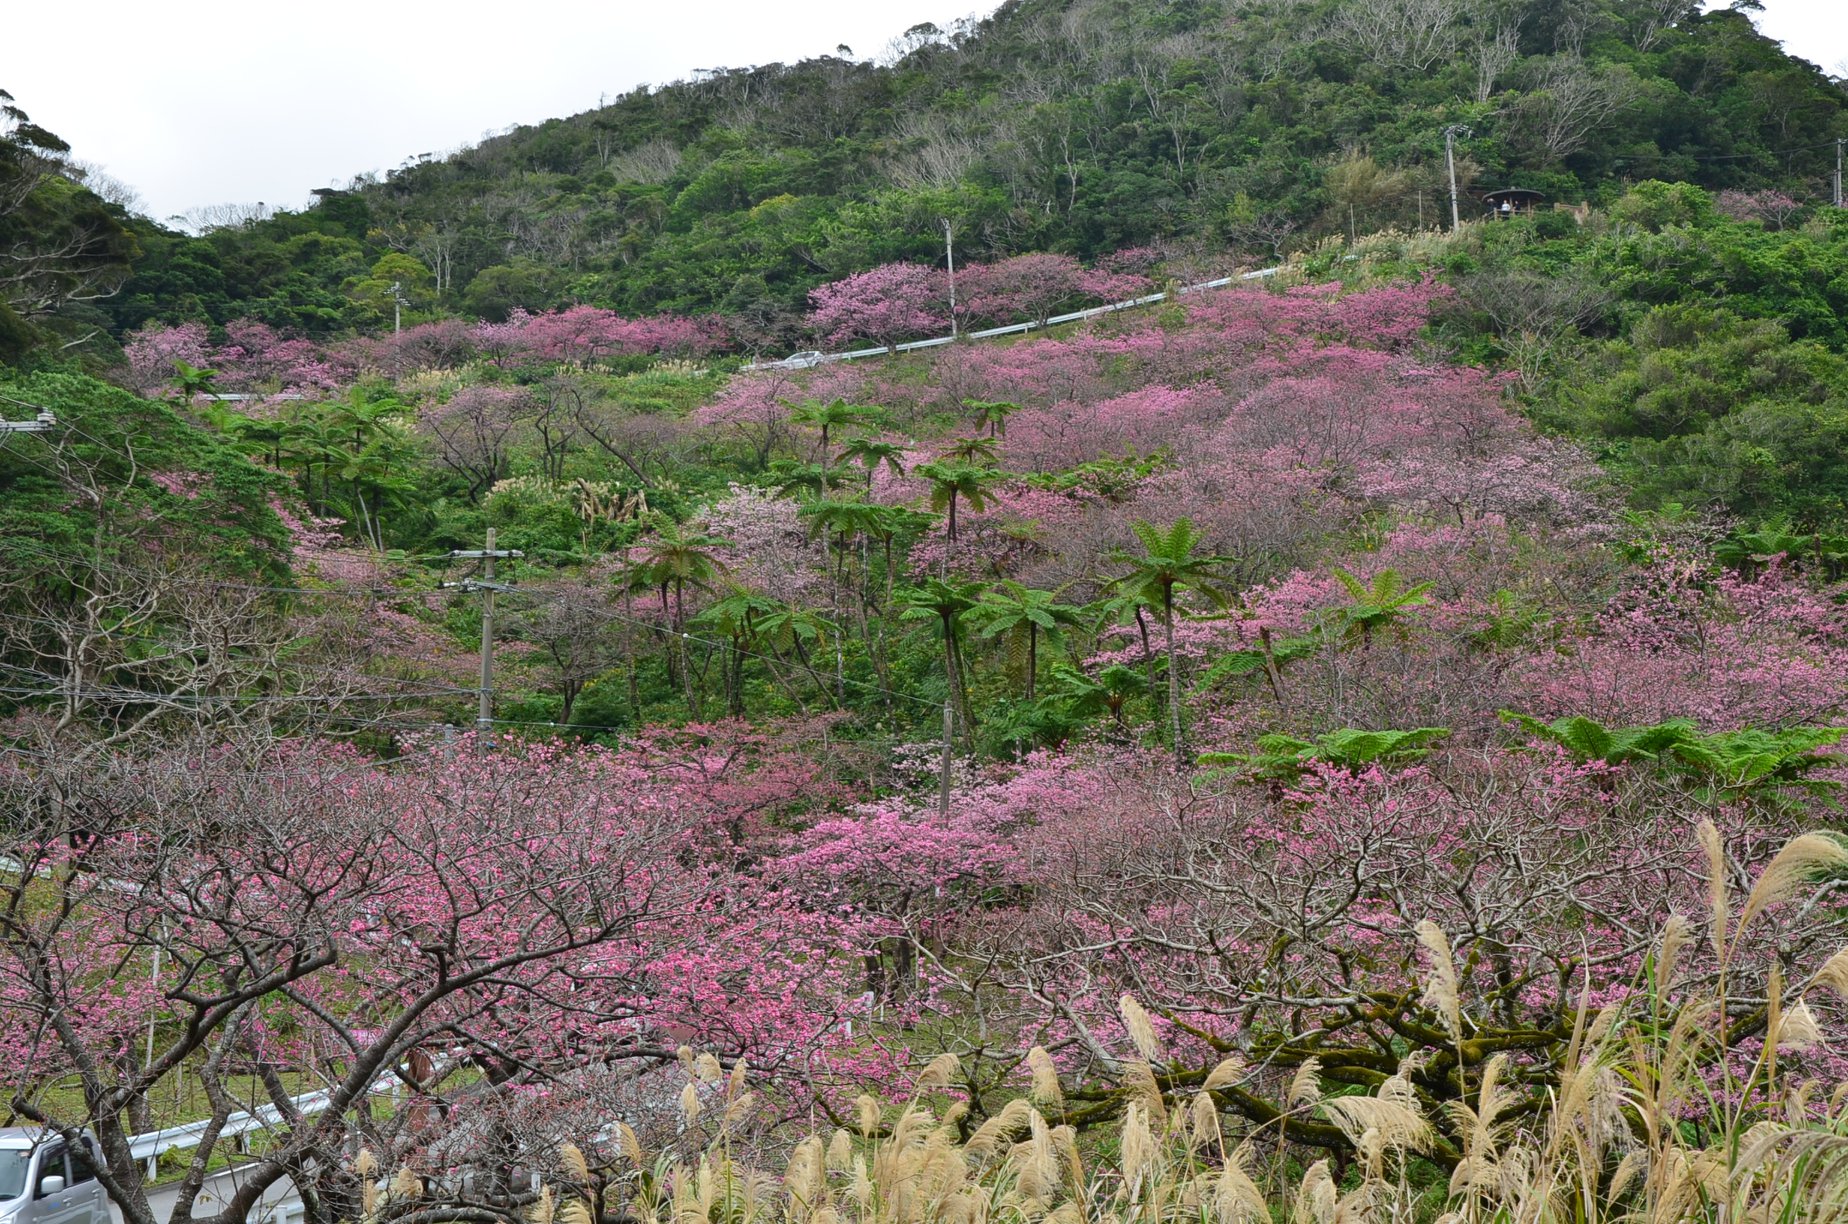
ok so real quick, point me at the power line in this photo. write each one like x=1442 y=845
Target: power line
x=668 y=631
x=390 y=594
x=1659 y=156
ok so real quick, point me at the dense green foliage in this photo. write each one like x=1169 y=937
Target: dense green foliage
x=132 y=480
x=1082 y=127
x=62 y=248
x=1695 y=341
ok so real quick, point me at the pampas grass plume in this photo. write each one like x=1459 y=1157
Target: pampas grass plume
x=1136 y=1023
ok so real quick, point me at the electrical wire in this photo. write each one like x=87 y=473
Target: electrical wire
x=387 y=594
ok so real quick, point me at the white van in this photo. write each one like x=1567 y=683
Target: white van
x=44 y=1180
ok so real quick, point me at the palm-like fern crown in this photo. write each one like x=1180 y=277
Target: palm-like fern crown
x=1168 y=561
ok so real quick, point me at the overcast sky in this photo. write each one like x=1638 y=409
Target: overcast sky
x=197 y=102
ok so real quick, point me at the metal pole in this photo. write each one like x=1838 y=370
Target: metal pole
x=949 y=254
x=484 y=718
x=1450 y=159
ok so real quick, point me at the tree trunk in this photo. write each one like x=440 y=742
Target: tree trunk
x=738 y=680
x=1174 y=693
x=1148 y=654
x=680 y=647
x=1032 y=656
x=949 y=669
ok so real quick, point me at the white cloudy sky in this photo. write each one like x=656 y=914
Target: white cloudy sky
x=209 y=101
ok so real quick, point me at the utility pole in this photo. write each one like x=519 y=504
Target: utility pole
x=943 y=778
x=484 y=717
x=1450 y=159
x=949 y=255
x=397 y=307
x=1838 y=170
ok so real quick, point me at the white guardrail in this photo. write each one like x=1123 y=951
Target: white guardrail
x=154 y=1144
x=151 y=1146
x=1010 y=329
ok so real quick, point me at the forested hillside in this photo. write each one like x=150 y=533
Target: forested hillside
x=1359 y=744
x=1254 y=126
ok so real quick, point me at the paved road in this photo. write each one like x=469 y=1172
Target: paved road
x=279 y=1201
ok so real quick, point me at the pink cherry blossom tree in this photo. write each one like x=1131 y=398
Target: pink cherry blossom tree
x=473 y=431
x=467 y=927
x=153 y=349
x=886 y=305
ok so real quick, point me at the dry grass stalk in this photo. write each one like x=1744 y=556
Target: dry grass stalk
x=1226 y=1072
x=1137 y=1024
x=941 y=1072
x=1442 y=992
x=1046 y=1089
x=1801 y=861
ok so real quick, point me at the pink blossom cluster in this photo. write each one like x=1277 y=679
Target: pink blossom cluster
x=581 y=334
x=1728 y=653
x=775 y=553
x=605 y=891
x=903 y=301
x=1250 y=914
x=253 y=360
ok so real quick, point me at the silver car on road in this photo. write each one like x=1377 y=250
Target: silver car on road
x=44 y=1180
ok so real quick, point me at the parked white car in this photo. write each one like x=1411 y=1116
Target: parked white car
x=795 y=361
x=44 y=1180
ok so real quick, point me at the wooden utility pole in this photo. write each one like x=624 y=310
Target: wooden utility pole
x=484 y=716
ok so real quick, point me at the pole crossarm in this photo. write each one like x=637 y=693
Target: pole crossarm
x=41 y=423
x=486 y=587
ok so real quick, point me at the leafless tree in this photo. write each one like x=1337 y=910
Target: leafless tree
x=208 y=217
x=936 y=152
x=474 y=430
x=1654 y=18
x=1571 y=100
x=1493 y=49
x=576 y=634
x=1414 y=34
x=106 y=185
x=652 y=162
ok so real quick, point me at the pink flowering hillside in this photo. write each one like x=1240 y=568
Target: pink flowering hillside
x=1250 y=658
